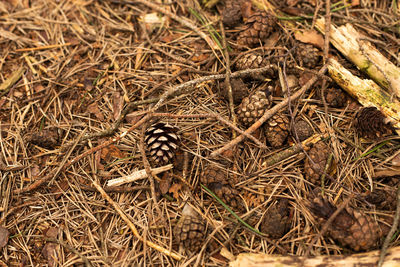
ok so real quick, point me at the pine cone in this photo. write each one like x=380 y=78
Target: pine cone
x=350 y=228
x=335 y=97
x=190 y=232
x=213 y=174
x=258 y=27
x=229 y=195
x=276 y=221
x=303 y=130
x=161 y=141
x=383 y=199
x=253 y=107
x=232 y=13
x=239 y=91
x=277 y=130
x=307 y=55
x=319 y=154
x=371 y=123
x=253 y=61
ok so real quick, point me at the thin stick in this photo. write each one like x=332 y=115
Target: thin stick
x=392 y=230
x=269 y=114
x=132 y=226
x=42 y=47
x=228 y=84
x=12 y=79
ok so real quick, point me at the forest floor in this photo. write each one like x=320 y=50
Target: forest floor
x=82 y=80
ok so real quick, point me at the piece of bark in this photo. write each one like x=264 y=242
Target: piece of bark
x=367 y=92
x=362 y=259
x=364 y=55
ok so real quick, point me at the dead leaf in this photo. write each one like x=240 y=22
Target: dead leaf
x=174 y=189
x=310 y=37
x=4 y=234
x=165 y=183
x=170 y=37
x=355 y=2
x=396 y=160
x=199 y=58
x=94 y=109
x=50 y=249
x=111 y=151
x=118 y=103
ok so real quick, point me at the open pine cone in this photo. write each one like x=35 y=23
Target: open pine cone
x=277 y=129
x=350 y=228
x=302 y=129
x=307 y=55
x=371 y=123
x=258 y=27
x=253 y=107
x=161 y=141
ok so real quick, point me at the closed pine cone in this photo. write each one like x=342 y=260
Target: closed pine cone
x=255 y=60
x=303 y=130
x=214 y=174
x=253 y=107
x=319 y=154
x=335 y=97
x=228 y=195
x=258 y=27
x=371 y=123
x=232 y=13
x=350 y=228
x=277 y=130
x=383 y=199
x=190 y=232
x=307 y=55
x=276 y=220
x=239 y=91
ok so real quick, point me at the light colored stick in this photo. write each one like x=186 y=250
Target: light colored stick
x=364 y=55
x=367 y=92
x=138 y=175
x=362 y=259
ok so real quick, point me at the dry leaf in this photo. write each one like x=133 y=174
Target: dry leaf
x=310 y=37
x=94 y=109
x=199 y=58
x=50 y=249
x=396 y=160
x=174 y=189
x=152 y=21
x=165 y=183
x=4 y=234
x=355 y=2
x=111 y=151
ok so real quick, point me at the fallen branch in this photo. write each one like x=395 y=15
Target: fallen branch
x=364 y=55
x=361 y=259
x=367 y=92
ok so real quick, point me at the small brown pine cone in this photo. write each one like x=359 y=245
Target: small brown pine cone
x=371 y=123
x=302 y=129
x=276 y=221
x=307 y=55
x=254 y=61
x=214 y=174
x=229 y=195
x=253 y=107
x=239 y=91
x=383 y=199
x=232 y=13
x=277 y=130
x=258 y=27
x=319 y=154
x=335 y=97
x=190 y=232
x=350 y=228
